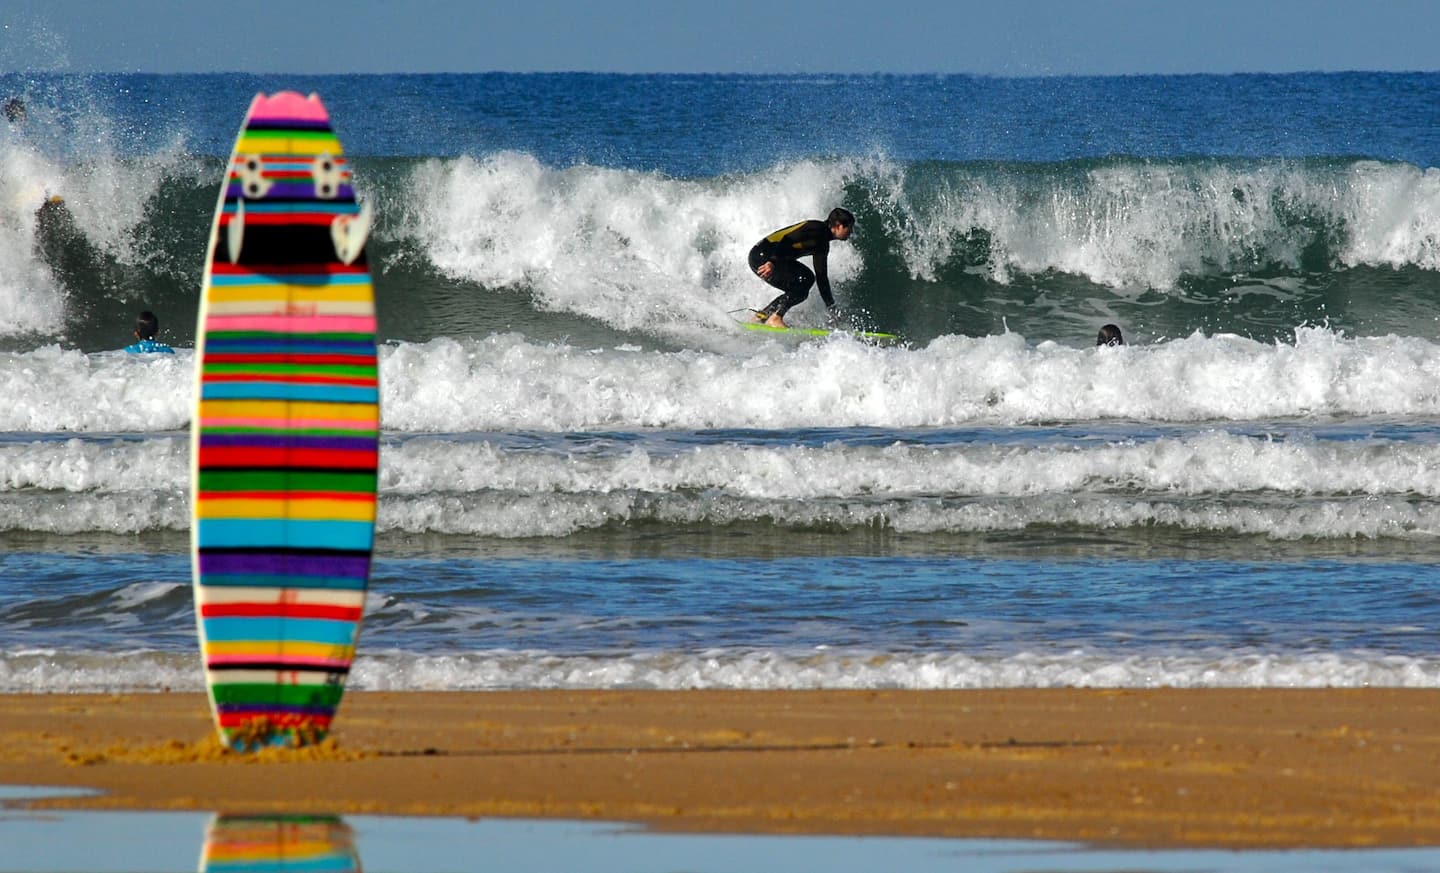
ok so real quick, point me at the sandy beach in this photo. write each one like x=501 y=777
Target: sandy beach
x=1220 y=768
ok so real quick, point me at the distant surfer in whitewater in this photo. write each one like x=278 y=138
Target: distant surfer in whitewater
x=146 y=327
x=776 y=260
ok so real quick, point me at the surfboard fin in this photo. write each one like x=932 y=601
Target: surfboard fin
x=235 y=232
x=350 y=232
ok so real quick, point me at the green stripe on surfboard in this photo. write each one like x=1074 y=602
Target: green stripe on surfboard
x=291 y=368
x=284 y=695
x=286 y=480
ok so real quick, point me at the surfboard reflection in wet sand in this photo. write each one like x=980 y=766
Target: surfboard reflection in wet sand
x=278 y=844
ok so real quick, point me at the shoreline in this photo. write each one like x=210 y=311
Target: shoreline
x=1192 y=768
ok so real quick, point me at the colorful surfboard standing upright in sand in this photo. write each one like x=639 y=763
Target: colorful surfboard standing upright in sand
x=285 y=432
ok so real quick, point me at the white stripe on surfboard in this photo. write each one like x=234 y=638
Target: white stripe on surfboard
x=216 y=594
x=294 y=307
x=269 y=677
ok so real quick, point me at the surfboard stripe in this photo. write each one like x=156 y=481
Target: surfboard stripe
x=291 y=630
x=233 y=719
x=287 y=610
x=295 y=372
x=285 y=433
x=292 y=324
x=303 y=677
x=271 y=409
x=294 y=190
x=289 y=580
x=297 y=456
x=291 y=142
x=242 y=693
x=289 y=391
x=317 y=281
x=307 y=509
x=266 y=593
x=288 y=272
x=290 y=292
x=303 y=482
x=213 y=533
x=289 y=670
x=294 y=303
x=321 y=360
x=276 y=218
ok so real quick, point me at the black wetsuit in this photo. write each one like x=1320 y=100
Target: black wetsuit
x=781 y=249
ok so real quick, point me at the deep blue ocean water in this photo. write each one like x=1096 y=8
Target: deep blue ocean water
x=591 y=478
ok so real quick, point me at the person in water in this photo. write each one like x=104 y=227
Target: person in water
x=776 y=259
x=1109 y=336
x=146 y=327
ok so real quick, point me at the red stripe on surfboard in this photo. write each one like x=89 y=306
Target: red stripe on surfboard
x=221 y=267
x=258 y=456
x=280 y=157
x=351 y=496
x=280 y=610
x=278 y=218
x=286 y=174
x=353 y=381
x=348 y=360
x=280 y=720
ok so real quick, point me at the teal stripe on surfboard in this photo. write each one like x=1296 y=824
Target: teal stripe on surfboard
x=230 y=533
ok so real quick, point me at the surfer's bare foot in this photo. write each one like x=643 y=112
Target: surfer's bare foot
x=775 y=321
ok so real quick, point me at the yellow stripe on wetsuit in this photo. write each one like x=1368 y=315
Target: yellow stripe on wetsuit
x=781 y=234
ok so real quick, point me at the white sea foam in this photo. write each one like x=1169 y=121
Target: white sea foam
x=1285 y=485
x=30 y=299
x=106 y=199
x=626 y=247
x=54 y=671
x=506 y=382
x=629 y=248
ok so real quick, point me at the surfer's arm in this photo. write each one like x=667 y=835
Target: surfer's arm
x=822 y=280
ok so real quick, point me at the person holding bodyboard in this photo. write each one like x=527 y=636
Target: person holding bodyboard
x=776 y=259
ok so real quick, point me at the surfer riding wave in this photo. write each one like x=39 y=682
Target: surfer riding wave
x=776 y=260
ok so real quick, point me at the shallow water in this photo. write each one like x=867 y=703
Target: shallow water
x=102 y=842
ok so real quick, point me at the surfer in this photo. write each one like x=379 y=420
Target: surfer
x=776 y=260
x=146 y=326
x=1109 y=336
x=15 y=110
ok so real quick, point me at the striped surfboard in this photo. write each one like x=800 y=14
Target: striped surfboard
x=285 y=430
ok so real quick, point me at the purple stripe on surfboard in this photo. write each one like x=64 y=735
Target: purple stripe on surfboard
x=282 y=564
x=293 y=190
x=298 y=440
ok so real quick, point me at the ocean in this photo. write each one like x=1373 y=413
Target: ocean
x=590 y=478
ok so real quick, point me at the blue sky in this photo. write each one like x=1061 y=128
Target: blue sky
x=995 y=37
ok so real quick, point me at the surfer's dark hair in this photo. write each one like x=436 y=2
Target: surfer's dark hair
x=841 y=216
x=146 y=325
x=1109 y=336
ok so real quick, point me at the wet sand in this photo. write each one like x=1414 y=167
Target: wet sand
x=1215 y=768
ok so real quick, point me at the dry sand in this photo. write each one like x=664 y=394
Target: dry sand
x=1227 y=768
